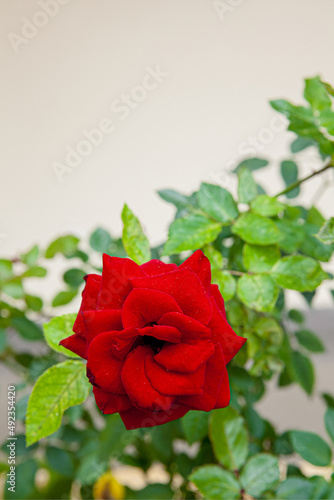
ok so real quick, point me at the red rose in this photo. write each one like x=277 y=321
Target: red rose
x=156 y=339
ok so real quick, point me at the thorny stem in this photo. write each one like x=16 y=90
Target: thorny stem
x=298 y=183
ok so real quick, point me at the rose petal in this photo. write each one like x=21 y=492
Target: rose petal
x=200 y=264
x=143 y=306
x=96 y=322
x=185 y=287
x=219 y=299
x=155 y=266
x=123 y=341
x=138 y=386
x=223 y=334
x=109 y=402
x=134 y=418
x=224 y=393
x=116 y=285
x=89 y=301
x=162 y=332
x=185 y=358
x=191 y=329
x=103 y=368
x=76 y=344
x=172 y=383
x=215 y=373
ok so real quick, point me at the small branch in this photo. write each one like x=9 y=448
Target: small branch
x=235 y=273
x=298 y=183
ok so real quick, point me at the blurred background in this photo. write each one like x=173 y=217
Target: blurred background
x=169 y=94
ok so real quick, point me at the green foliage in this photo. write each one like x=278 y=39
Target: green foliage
x=60 y=387
x=258 y=292
x=247 y=188
x=311 y=447
x=58 y=329
x=326 y=232
x=297 y=272
x=195 y=426
x=256 y=230
x=229 y=438
x=190 y=233
x=217 y=202
x=266 y=206
x=216 y=483
x=261 y=473
x=259 y=259
x=67 y=245
x=310 y=341
x=329 y=422
x=134 y=240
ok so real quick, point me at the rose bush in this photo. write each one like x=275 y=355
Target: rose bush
x=156 y=339
x=259 y=246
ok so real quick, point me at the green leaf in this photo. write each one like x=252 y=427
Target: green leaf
x=297 y=272
x=289 y=172
x=269 y=329
x=295 y=488
x=303 y=371
x=259 y=259
x=252 y=164
x=258 y=292
x=256 y=230
x=303 y=124
x=195 y=425
x=217 y=202
x=226 y=283
x=228 y=435
x=296 y=316
x=30 y=257
x=175 y=198
x=100 y=240
x=6 y=269
x=292 y=235
x=60 y=460
x=190 y=233
x=35 y=272
x=266 y=206
x=216 y=483
x=158 y=491
x=67 y=245
x=34 y=303
x=329 y=422
x=134 y=240
x=315 y=93
x=14 y=288
x=60 y=387
x=326 y=120
x=74 y=277
x=63 y=298
x=326 y=233
x=311 y=447
x=310 y=341
x=329 y=400
x=57 y=329
x=247 y=188
x=214 y=256
x=300 y=144
x=26 y=328
x=261 y=473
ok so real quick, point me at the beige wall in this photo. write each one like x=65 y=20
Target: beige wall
x=210 y=102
